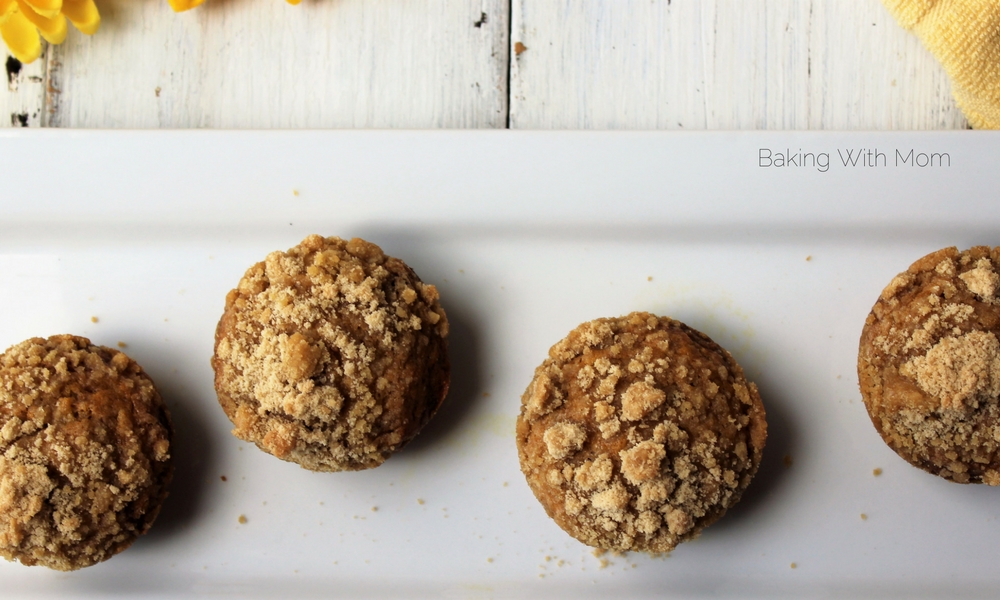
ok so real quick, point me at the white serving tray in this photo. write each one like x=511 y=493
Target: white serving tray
x=526 y=235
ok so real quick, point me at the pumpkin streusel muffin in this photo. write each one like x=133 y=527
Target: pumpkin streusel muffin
x=84 y=452
x=331 y=355
x=929 y=364
x=638 y=432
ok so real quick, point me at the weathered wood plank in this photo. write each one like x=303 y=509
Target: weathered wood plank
x=722 y=64
x=266 y=64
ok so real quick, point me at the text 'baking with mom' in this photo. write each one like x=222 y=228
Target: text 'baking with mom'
x=852 y=157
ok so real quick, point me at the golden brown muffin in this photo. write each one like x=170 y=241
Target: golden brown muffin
x=929 y=364
x=638 y=432
x=331 y=355
x=84 y=452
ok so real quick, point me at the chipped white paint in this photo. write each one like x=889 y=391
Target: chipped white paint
x=724 y=64
x=640 y=64
x=22 y=103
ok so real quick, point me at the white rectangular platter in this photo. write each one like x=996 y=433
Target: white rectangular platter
x=526 y=235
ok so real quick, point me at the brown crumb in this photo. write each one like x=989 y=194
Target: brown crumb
x=864 y=517
x=295 y=192
x=787 y=460
x=242 y=520
x=794 y=566
x=374 y=509
x=223 y=478
x=809 y=258
x=519 y=48
x=650 y=278
x=122 y=344
x=93 y=319
x=489 y=559
x=876 y=472
x=982 y=280
x=420 y=500
x=564 y=438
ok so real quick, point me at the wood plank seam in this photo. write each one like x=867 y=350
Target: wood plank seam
x=510 y=56
x=50 y=103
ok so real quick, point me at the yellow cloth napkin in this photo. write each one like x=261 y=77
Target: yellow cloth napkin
x=964 y=35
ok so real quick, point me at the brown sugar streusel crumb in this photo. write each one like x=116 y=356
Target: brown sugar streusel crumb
x=84 y=452
x=331 y=355
x=929 y=364
x=638 y=432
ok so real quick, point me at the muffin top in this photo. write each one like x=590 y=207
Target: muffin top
x=637 y=432
x=929 y=364
x=331 y=355
x=84 y=452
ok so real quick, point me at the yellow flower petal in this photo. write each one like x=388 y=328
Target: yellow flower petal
x=46 y=8
x=7 y=7
x=183 y=5
x=53 y=30
x=83 y=14
x=293 y=2
x=21 y=37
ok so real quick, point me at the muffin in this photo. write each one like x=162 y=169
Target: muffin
x=84 y=452
x=638 y=432
x=929 y=365
x=331 y=355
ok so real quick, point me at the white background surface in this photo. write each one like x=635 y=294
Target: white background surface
x=148 y=231
x=636 y=64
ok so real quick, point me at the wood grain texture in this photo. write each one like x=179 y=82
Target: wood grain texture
x=724 y=64
x=266 y=64
x=636 y=64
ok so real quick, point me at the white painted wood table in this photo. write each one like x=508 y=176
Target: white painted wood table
x=635 y=64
